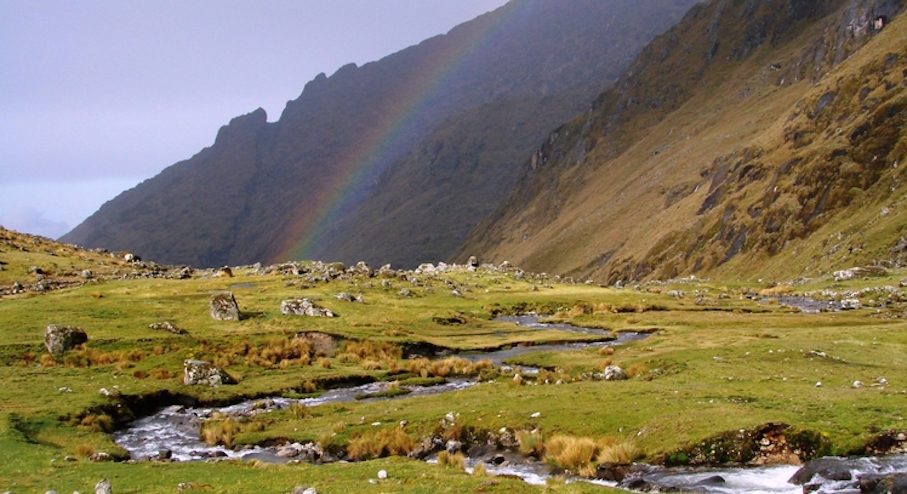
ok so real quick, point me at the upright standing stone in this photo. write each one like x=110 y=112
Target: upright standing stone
x=224 y=307
x=59 y=339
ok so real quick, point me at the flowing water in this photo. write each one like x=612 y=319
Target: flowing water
x=176 y=429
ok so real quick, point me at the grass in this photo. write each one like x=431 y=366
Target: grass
x=733 y=364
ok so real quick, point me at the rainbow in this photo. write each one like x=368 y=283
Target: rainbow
x=357 y=166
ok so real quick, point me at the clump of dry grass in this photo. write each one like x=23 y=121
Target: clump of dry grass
x=455 y=460
x=532 y=443
x=574 y=454
x=96 y=423
x=381 y=350
x=479 y=470
x=48 y=360
x=636 y=370
x=614 y=453
x=325 y=362
x=84 y=450
x=299 y=410
x=369 y=364
x=776 y=291
x=219 y=431
x=606 y=351
x=385 y=442
x=161 y=374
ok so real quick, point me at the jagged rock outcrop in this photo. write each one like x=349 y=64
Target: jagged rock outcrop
x=441 y=126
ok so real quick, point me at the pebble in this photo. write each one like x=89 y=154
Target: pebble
x=382 y=474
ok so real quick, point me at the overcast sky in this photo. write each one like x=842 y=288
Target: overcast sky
x=96 y=96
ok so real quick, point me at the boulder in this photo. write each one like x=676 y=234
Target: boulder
x=224 y=307
x=166 y=326
x=103 y=487
x=884 y=484
x=829 y=468
x=304 y=307
x=60 y=339
x=200 y=372
x=615 y=373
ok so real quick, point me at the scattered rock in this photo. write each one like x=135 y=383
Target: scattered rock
x=60 y=339
x=304 y=307
x=304 y=490
x=100 y=456
x=859 y=272
x=224 y=272
x=346 y=297
x=615 y=373
x=405 y=293
x=103 y=487
x=224 y=307
x=200 y=372
x=166 y=326
x=382 y=474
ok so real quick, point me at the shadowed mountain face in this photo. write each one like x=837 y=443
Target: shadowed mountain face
x=392 y=161
x=755 y=138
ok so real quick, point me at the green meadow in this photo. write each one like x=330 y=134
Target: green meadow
x=720 y=357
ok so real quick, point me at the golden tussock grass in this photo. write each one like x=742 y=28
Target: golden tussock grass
x=161 y=374
x=571 y=453
x=622 y=453
x=479 y=470
x=532 y=443
x=385 y=442
x=637 y=370
x=456 y=460
x=97 y=423
x=374 y=350
x=299 y=410
x=222 y=432
x=776 y=291
x=83 y=450
x=606 y=351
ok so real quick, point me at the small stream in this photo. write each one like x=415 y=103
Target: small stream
x=173 y=433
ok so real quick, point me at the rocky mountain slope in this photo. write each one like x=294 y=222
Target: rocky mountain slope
x=754 y=138
x=350 y=169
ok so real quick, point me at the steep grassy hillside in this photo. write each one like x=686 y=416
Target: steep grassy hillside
x=754 y=139
x=276 y=191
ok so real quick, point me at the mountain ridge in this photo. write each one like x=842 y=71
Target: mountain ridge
x=270 y=191
x=679 y=204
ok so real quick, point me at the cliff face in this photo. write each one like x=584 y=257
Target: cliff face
x=753 y=138
x=325 y=180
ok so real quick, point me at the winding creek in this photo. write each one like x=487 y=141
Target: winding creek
x=173 y=432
